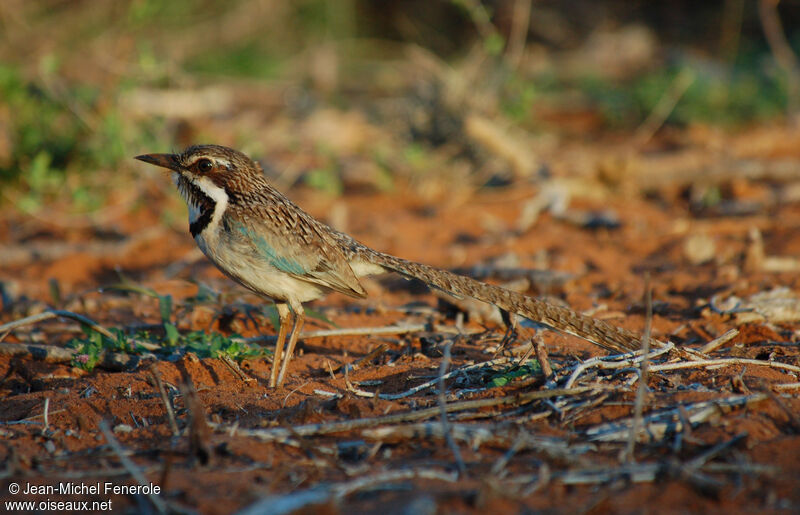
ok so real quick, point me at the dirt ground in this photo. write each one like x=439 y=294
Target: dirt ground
x=711 y=221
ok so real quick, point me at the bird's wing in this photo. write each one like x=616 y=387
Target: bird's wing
x=294 y=243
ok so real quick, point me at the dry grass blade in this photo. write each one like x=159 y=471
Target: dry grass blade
x=476 y=435
x=787 y=386
x=701 y=460
x=434 y=382
x=37 y=352
x=236 y=369
x=665 y=106
x=283 y=433
x=614 y=362
x=173 y=424
x=374 y=353
x=541 y=356
x=725 y=362
x=657 y=425
x=130 y=466
x=199 y=433
x=651 y=472
x=641 y=391
x=442 y=398
x=719 y=341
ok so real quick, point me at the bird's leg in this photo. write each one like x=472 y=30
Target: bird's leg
x=510 y=335
x=299 y=318
x=283 y=314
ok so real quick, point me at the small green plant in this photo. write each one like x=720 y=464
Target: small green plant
x=213 y=345
x=93 y=345
x=44 y=134
x=728 y=96
x=203 y=344
x=530 y=368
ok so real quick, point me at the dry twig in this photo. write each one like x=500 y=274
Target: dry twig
x=719 y=341
x=476 y=435
x=173 y=424
x=462 y=469
x=374 y=353
x=130 y=466
x=541 y=356
x=613 y=362
x=725 y=362
x=657 y=425
x=641 y=391
x=280 y=434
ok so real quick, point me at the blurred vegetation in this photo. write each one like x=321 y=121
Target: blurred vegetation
x=75 y=77
x=90 y=348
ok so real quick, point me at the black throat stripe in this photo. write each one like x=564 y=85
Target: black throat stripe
x=204 y=203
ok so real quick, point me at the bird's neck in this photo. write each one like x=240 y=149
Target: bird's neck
x=206 y=201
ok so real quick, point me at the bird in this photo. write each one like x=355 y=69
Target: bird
x=262 y=240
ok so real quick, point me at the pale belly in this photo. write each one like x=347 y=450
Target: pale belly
x=255 y=274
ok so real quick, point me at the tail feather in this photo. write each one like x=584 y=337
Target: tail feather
x=607 y=336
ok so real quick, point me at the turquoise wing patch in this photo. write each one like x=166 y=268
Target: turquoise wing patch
x=269 y=253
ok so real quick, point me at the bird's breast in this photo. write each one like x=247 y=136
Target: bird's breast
x=238 y=257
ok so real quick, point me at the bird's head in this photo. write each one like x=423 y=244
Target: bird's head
x=210 y=178
x=206 y=166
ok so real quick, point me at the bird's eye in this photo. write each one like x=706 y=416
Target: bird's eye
x=205 y=165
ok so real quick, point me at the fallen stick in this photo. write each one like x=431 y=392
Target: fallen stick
x=656 y=425
x=280 y=433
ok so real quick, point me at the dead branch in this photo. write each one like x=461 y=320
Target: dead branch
x=613 y=362
x=429 y=384
x=723 y=362
x=641 y=391
x=374 y=353
x=719 y=341
x=279 y=434
x=477 y=435
x=655 y=426
x=442 y=399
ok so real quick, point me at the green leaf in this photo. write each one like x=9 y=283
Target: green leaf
x=172 y=333
x=508 y=375
x=494 y=44
x=165 y=307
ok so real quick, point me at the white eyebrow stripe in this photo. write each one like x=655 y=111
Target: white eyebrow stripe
x=217 y=160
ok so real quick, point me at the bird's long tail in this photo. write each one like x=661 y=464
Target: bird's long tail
x=607 y=336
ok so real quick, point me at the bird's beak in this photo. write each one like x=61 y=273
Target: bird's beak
x=163 y=160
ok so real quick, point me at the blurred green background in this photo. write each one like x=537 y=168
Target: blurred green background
x=374 y=89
